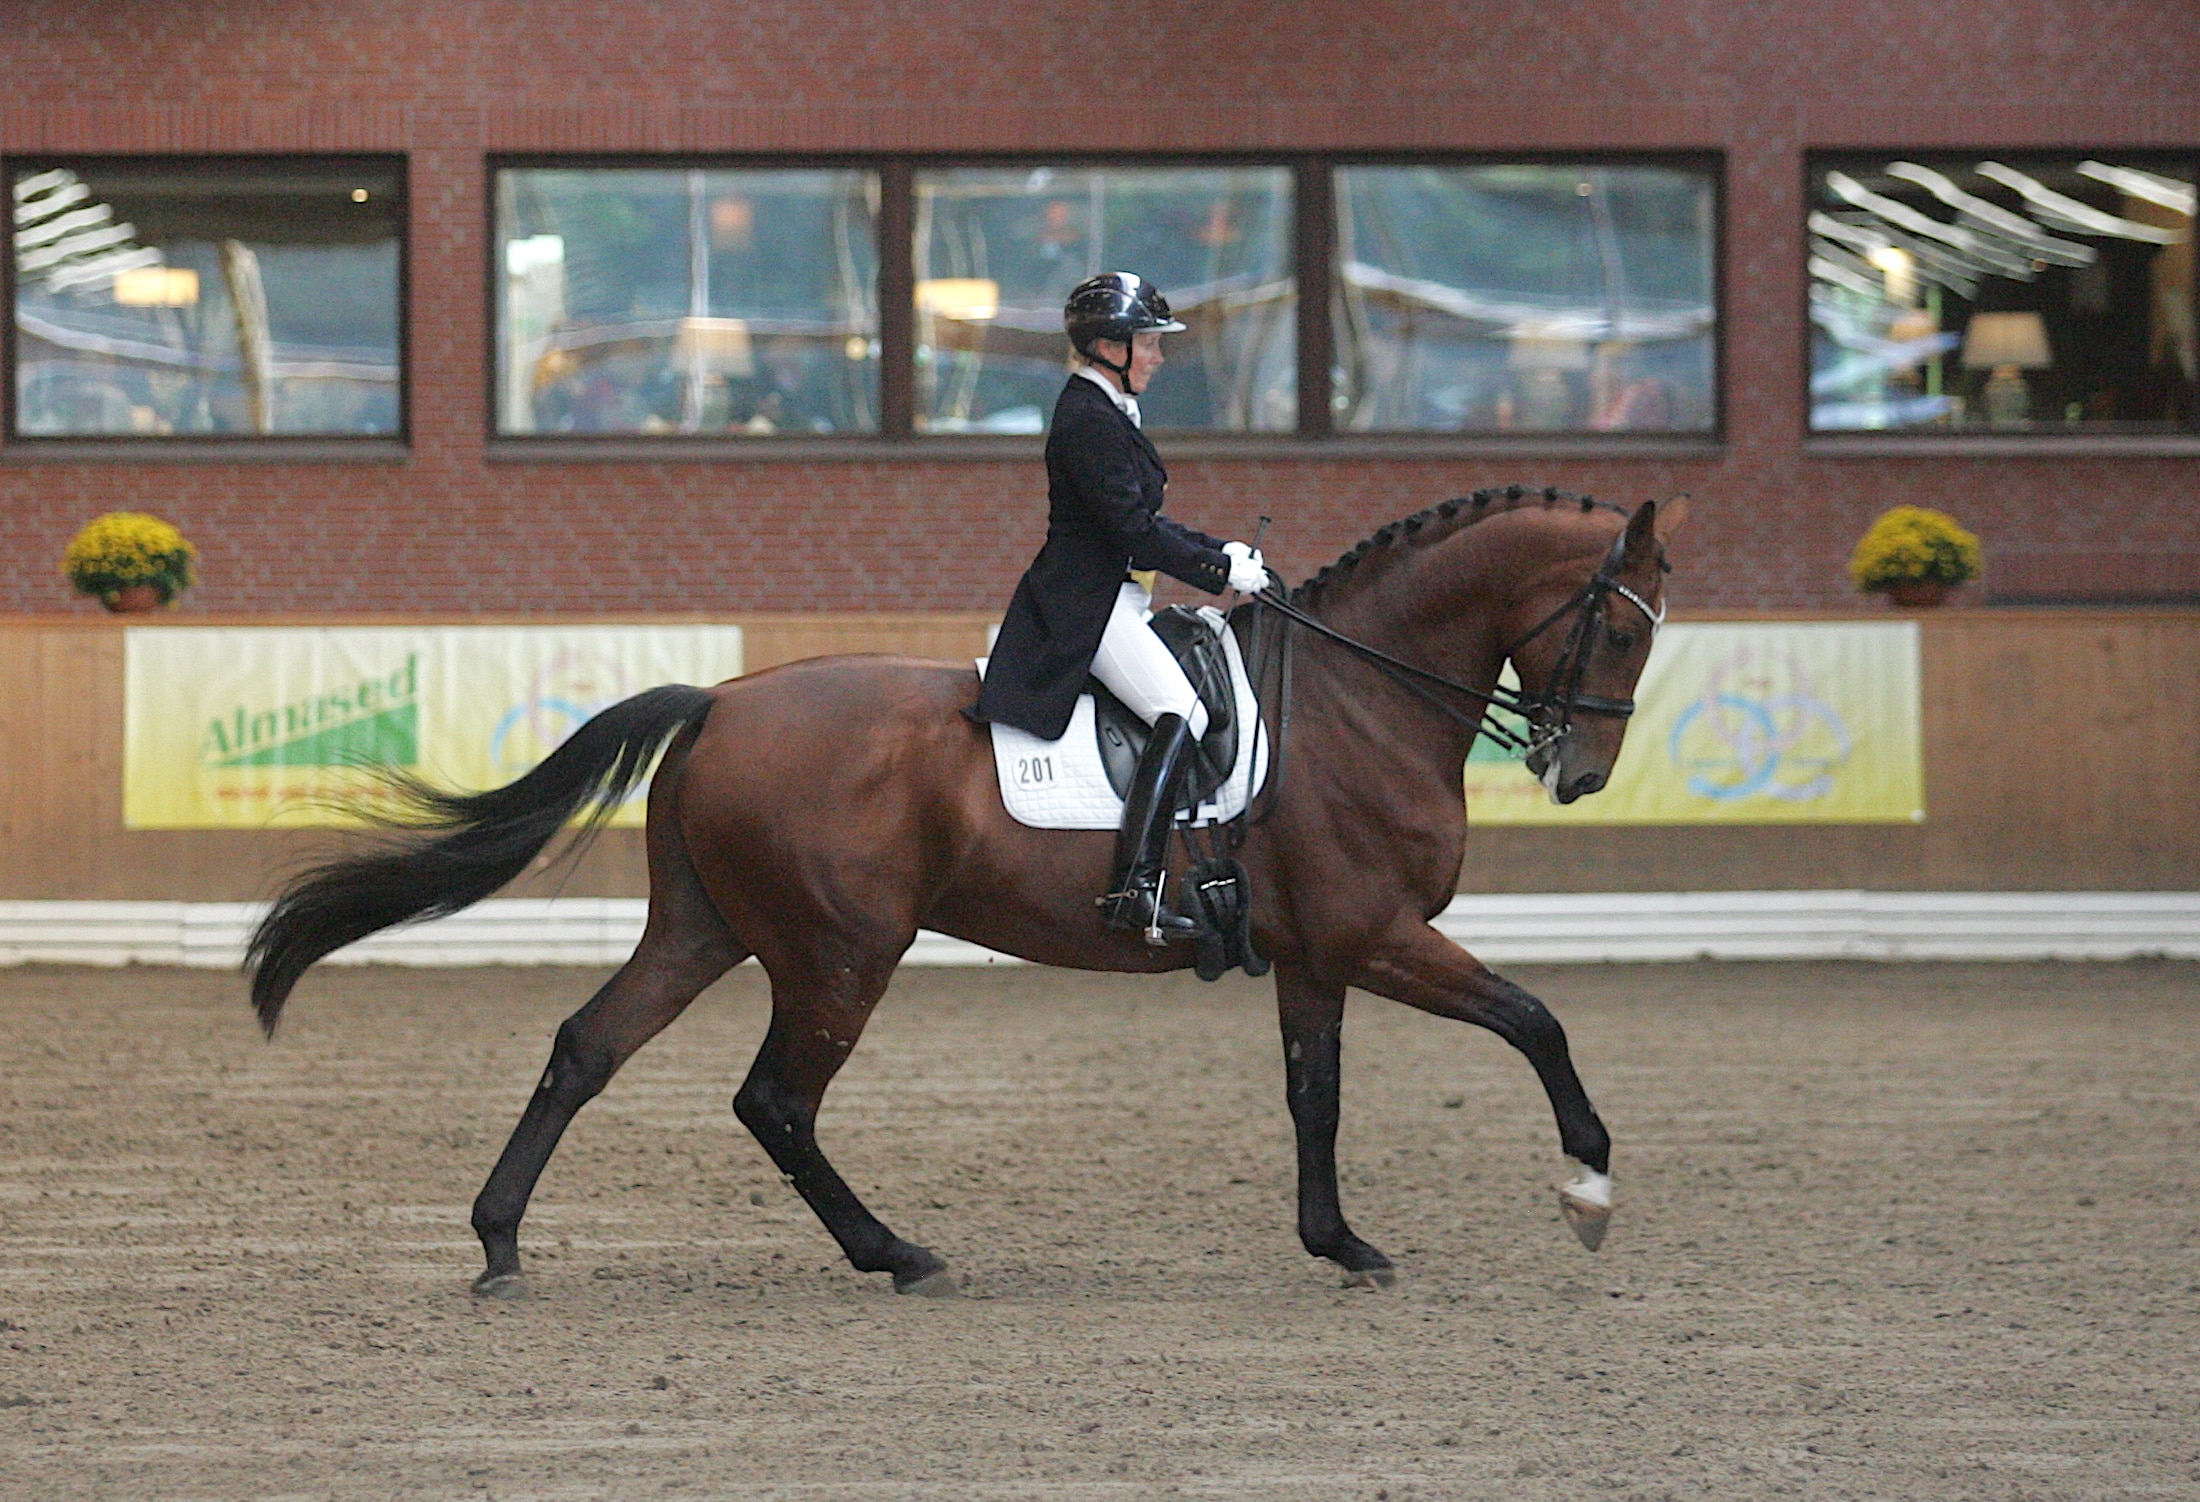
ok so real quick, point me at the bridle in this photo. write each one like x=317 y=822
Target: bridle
x=1549 y=715
x=1589 y=607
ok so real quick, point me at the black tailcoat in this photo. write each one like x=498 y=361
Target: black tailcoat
x=1104 y=485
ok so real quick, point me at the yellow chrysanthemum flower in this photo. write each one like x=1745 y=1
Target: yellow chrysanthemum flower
x=124 y=548
x=1914 y=544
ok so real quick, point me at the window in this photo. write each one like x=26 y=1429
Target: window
x=686 y=300
x=2002 y=292
x=997 y=250
x=922 y=299
x=1524 y=298
x=235 y=297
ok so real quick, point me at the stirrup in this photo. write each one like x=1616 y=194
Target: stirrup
x=1158 y=926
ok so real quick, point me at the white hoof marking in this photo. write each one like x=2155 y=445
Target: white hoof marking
x=1587 y=1205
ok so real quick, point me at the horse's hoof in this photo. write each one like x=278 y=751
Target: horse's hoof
x=1370 y=1277
x=1587 y=1205
x=506 y=1287
x=1589 y=1223
x=940 y=1283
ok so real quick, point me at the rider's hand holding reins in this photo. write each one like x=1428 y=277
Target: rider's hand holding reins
x=1248 y=570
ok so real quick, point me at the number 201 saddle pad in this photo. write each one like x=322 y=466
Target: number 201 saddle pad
x=1064 y=784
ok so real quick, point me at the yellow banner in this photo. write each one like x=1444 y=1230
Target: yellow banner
x=1759 y=723
x=252 y=727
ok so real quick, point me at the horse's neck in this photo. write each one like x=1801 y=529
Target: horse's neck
x=1441 y=607
x=1438 y=608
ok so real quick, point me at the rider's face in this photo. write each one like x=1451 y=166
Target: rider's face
x=1145 y=358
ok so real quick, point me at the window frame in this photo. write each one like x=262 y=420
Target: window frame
x=1964 y=443
x=210 y=446
x=1582 y=442
x=1313 y=260
x=1294 y=164
x=712 y=445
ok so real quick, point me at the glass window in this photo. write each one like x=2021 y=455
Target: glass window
x=1524 y=298
x=686 y=300
x=239 y=297
x=998 y=250
x=2006 y=293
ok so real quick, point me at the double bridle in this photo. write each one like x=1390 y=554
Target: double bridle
x=1549 y=714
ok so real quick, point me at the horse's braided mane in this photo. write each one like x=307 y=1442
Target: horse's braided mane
x=1439 y=521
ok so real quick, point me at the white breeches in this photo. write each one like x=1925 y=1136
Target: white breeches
x=1137 y=667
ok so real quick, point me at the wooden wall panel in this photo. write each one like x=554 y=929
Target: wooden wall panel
x=2060 y=754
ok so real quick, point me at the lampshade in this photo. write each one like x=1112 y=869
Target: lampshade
x=1548 y=352
x=1908 y=331
x=1913 y=324
x=1996 y=339
x=157 y=287
x=718 y=344
x=966 y=299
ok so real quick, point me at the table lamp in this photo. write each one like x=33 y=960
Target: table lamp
x=2008 y=344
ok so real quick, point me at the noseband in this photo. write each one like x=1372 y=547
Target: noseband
x=1550 y=714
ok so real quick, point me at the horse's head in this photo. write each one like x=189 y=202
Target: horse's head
x=1580 y=635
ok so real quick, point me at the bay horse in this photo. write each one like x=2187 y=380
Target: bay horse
x=818 y=814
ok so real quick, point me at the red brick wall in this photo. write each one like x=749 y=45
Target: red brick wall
x=447 y=528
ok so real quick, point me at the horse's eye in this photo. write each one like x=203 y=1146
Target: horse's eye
x=1622 y=641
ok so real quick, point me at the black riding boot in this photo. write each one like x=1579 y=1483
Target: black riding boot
x=1134 y=899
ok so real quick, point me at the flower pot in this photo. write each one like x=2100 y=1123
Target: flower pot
x=132 y=598
x=1917 y=594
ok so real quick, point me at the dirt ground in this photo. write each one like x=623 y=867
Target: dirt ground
x=1909 y=1232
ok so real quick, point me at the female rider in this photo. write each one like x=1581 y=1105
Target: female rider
x=1081 y=607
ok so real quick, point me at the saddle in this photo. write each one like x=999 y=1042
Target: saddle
x=1123 y=735
x=1221 y=898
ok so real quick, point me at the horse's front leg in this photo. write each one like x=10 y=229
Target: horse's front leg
x=1312 y=1011
x=1422 y=968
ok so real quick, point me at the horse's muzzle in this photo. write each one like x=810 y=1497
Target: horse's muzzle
x=1581 y=787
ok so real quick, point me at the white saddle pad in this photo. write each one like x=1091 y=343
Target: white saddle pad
x=1064 y=785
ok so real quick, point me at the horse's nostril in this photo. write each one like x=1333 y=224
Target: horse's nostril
x=1587 y=783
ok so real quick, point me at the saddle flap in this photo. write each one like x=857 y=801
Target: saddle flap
x=1122 y=735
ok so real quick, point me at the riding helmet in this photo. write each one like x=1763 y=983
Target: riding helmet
x=1115 y=305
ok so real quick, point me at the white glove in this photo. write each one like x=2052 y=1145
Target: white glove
x=1248 y=570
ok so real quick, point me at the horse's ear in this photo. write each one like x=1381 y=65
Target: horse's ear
x=1672 y=516
x=1642 y=535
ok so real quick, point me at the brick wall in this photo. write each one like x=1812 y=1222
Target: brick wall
x=446 y=527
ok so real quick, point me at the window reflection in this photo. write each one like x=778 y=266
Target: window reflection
x=998 y=250
x=162 y=298
x=686 y=301
x=2013 y=292
x=1524 y=298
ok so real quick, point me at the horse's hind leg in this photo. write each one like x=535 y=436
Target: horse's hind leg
x=685 y=947
x=819 y=1008
x=635 y=1005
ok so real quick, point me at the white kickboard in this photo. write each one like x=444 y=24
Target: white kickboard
x=1064 y=785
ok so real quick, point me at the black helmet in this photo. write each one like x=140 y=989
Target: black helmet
x=1115 y=305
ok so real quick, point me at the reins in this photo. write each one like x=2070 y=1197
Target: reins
x=1405 y=674
x=1557 y=705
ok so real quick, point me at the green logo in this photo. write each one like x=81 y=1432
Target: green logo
x=375 y=721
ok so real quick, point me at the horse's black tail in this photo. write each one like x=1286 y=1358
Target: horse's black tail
x=454 y=849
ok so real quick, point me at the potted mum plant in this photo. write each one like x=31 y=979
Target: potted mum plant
x=130 y=561
x=1914 y=556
